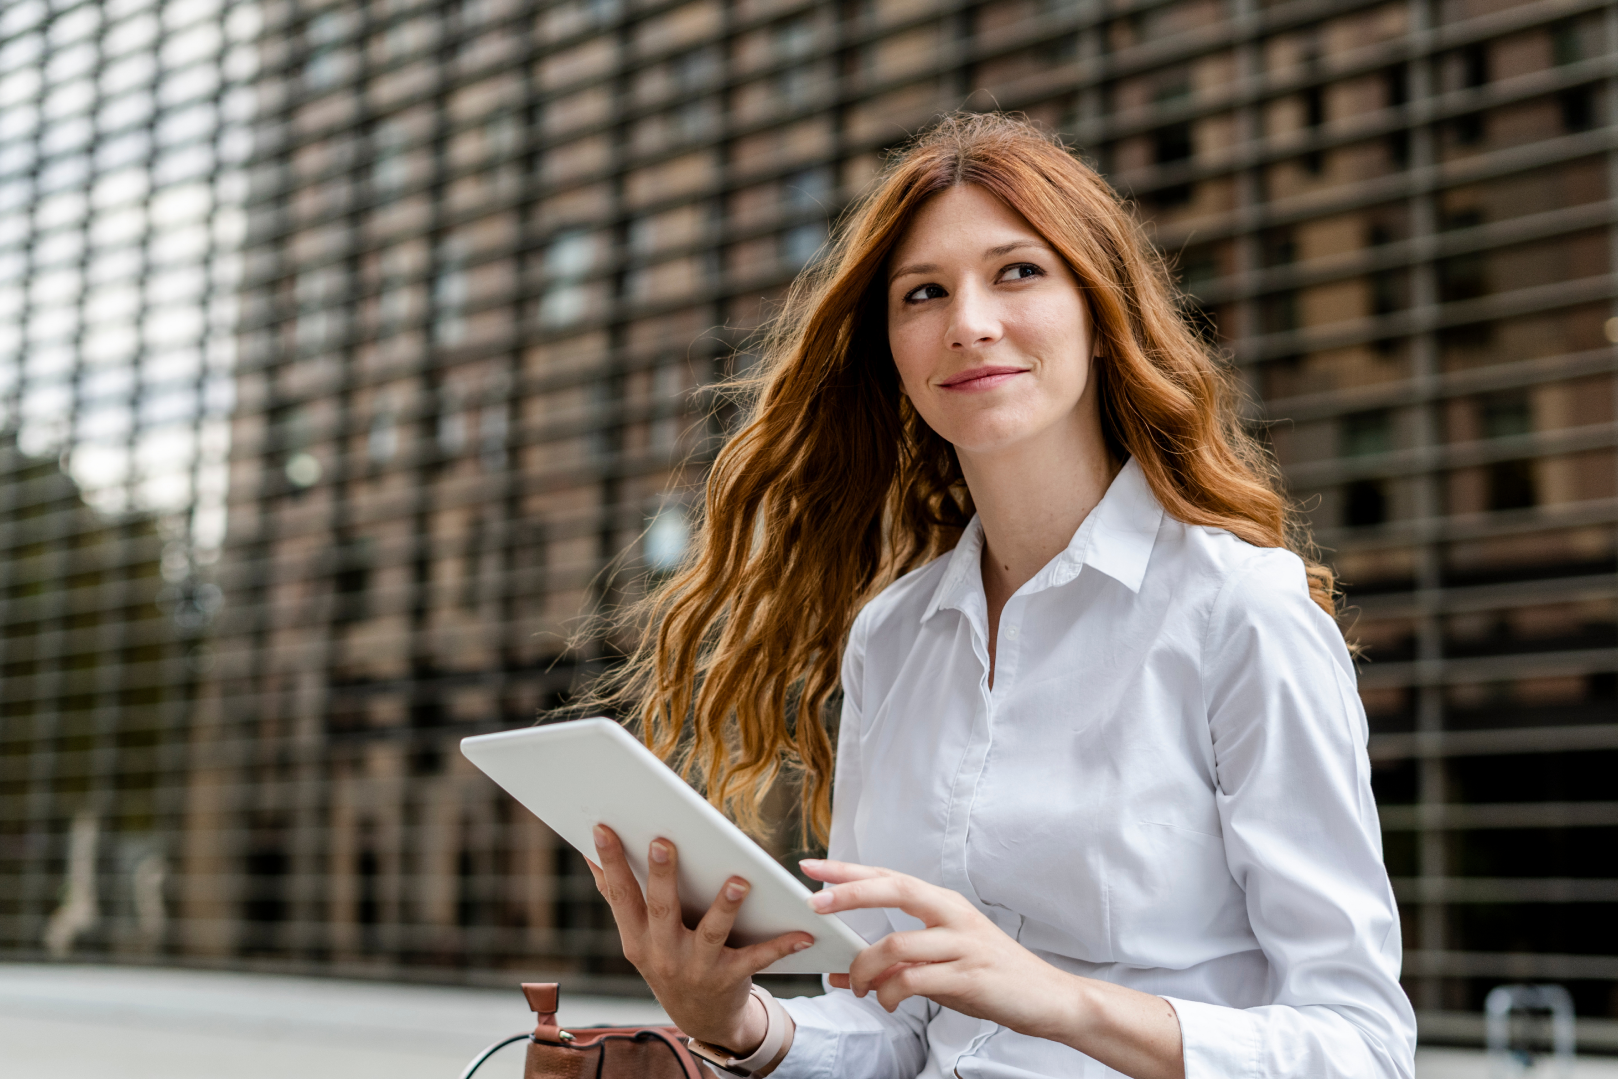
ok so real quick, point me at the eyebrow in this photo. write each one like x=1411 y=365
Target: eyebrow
x=993 y=252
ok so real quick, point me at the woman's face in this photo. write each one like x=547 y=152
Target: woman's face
x=988 y=326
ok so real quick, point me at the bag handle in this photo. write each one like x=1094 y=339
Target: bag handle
x=542 y=998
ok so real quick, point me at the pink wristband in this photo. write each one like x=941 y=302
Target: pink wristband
x=775 y=1036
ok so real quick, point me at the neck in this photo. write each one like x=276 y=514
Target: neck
x=1031 y=499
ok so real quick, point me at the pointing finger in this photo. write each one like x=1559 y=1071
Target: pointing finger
x=932 y=904
x=834 y=872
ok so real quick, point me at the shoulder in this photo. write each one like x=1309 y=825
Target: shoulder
x=903 y=602
x=1214 y=556
x=1239 y=592
x=1258 y=597
x=887 y=625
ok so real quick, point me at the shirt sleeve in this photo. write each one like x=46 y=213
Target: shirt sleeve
x=1303 y=841
x=839 y=1035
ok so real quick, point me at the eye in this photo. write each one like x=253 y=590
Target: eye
x=925 y=292
x=1021 y=271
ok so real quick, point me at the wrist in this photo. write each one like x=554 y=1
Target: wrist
x=764 y=1057
x=748 y=1033
x=1076 y=1014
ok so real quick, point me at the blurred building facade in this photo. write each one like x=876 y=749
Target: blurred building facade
x=122 y=136
x=499 y=252
x=95 y=685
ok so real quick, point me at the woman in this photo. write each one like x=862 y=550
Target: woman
x=1102 y=800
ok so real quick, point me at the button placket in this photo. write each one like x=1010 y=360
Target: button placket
x=1008 y=648
x=963 y=788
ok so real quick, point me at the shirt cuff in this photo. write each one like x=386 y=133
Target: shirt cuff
x=814 y=1048
x=1218 y=1042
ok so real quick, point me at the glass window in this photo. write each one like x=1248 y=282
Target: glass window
x=135 y=32
x=563 y=305
x=69 y=99
x=70 y=63
x=325 y=65
x=55 y=211
x=16 y=158
x=134 y=73
x=109 y=344
x=67 y=136
x=450 y=292
x=112 y=303
x=75 y=24
x=21 y=53
x=63 y=173
x=122 y=150
x=126 y=110
x=667 y=536
x=201 y=42
x=389 y=169
x=57 y=248
x=19 y=15
x=188 y=163
x=800 y=244
x=571 y=254
x=179 y=245
x=1507 y=414
x=189 y=85
x=382 y=441
x=808 y=189
x=19 y=87
x=1365 y=433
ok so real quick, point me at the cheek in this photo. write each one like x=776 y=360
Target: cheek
x=1061 y=336
x=910 y=357
x=1067 y=388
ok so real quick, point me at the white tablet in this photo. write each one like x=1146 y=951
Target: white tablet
x=576 y=775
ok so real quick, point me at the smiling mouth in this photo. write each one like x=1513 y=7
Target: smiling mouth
x=981 y=378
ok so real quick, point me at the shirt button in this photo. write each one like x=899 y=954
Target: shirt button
x=1012 y=633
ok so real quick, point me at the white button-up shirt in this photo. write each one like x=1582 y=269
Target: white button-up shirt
x=1167 y=788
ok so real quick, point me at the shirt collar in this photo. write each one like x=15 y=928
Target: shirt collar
x=1116 y=538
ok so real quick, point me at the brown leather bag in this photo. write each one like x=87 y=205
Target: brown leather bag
x=603 y=1052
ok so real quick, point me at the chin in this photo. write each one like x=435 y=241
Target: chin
x=986 y=439
x=986 y=429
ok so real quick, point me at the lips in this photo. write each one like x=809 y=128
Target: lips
x=981 y=378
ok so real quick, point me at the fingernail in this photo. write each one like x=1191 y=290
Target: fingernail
x=599 y=834
x=822 y=900
x=735 y=890
x=660 y=852
x=810 y=861
x=800 y=946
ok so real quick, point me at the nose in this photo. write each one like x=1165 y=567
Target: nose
x=974 y=322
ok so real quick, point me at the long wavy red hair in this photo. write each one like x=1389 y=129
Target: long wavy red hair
x=834 y=487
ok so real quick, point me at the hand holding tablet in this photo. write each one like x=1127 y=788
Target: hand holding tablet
x=706 y=986
x=577 y=775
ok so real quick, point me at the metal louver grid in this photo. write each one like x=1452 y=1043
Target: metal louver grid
x=124 y=129
x=498 y=254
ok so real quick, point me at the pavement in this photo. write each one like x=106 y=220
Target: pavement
x=99 y=1022
x=60 y=1021
x=1435 y=1063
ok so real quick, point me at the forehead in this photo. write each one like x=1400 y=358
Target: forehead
x=964 y=219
